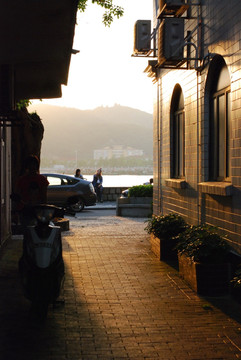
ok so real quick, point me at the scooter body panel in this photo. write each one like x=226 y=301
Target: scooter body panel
x=41 y=265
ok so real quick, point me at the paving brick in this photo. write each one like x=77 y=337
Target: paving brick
x=121 y=302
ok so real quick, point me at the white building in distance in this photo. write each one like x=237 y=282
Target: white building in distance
x=115 y=152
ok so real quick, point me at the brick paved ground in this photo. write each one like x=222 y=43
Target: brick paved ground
x=120 y=303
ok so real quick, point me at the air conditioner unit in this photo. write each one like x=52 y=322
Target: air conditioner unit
x=171 y=7
x=142 y=36
x=170 y=41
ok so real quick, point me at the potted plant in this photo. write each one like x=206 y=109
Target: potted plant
x=163 y=230
x=141 y=191
x=202 y=258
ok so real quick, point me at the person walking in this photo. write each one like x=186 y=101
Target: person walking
x=97 y=183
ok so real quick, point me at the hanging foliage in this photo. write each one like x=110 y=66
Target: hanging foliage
x=111 y=9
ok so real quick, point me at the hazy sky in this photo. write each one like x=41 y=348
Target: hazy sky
x=103 y=72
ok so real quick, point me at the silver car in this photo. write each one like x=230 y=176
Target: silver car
x=70 y=192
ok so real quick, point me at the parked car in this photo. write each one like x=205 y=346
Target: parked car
x=70 y=192
x=124 y=193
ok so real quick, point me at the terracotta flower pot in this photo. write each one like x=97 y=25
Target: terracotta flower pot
x=205 y=279
x=163 y=248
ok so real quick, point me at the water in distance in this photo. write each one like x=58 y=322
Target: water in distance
x=122 y=180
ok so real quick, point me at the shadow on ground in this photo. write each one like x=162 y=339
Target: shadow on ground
x=67 y=331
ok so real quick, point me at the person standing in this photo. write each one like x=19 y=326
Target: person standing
x=31 y=190
x=97 y=183
x=78 y=174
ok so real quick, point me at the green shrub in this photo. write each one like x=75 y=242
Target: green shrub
x=166 y=226
x=141 y=191
x=203 y=244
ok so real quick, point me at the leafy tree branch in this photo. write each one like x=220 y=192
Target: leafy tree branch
x=111 y=9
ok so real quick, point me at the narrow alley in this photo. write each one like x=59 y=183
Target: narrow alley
x=121 y=302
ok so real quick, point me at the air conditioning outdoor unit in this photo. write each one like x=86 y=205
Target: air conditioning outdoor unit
x=171 y=7
x=170 y=41
x=142 y=36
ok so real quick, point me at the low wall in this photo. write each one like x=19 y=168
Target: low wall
x=112 y=193
x=134 y=207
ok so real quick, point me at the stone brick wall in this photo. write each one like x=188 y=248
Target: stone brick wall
x=112 y=193
x=220 y=35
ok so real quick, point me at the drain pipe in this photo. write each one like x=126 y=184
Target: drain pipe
x=160 y=141
x=199 y=142
x=198 y=152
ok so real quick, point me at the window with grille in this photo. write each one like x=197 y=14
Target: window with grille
x=177 y=132
x=219 y=143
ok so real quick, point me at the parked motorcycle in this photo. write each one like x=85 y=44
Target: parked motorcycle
x=41 y=265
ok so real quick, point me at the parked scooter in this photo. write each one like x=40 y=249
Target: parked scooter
x=41 y=265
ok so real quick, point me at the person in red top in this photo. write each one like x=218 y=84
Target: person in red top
x=31 y=189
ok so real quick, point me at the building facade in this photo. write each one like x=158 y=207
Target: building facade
x=196 y=68
x=33 y=71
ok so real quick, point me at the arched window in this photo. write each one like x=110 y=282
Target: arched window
x=177 y=134
x=219 y=129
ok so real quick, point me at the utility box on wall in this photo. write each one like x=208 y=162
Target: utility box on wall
x=170 y=7
x=142 y=36
x=170 y=41
x=171 y=3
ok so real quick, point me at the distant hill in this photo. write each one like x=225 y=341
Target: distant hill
x=69 y=130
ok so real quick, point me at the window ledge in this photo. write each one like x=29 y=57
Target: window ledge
x=176 y=183
x=216 y=188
